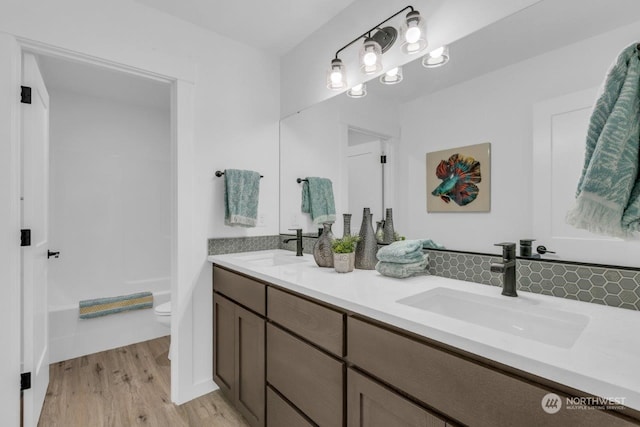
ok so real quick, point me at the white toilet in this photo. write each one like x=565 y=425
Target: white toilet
x=163 y=315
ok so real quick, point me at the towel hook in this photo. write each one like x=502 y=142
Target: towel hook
x=299 y=180
x=220 y=173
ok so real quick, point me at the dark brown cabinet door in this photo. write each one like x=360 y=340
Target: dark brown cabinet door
x=310 y=379
x=239 y=358
x=281 y=414
x=372 y=405
x=250 y=366
x=224 y=344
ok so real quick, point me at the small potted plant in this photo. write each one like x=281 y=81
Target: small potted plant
x=344 y=253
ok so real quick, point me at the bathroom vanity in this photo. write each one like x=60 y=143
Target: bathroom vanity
x=297 y=345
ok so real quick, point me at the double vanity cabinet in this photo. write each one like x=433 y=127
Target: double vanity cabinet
x=286 y=360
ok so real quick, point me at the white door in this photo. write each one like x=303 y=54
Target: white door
x=35 y=216
x=365 y=182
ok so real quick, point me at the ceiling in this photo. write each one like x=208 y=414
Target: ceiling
x=275 y=25
x=540 y=28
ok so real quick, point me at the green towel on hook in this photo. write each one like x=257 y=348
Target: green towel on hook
x=608 y=195
x=241 y=195
x=317 y=199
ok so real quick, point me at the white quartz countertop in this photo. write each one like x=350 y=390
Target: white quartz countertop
x=604 y=360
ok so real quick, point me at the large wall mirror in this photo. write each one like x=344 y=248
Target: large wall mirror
x=525 y=84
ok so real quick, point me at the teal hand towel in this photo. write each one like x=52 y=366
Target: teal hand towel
x=402 y=251
x=241 y=195
x=608 y=195
x=400 y=271
x=317 y=199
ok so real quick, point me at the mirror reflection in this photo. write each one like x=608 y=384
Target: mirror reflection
x=525 y=84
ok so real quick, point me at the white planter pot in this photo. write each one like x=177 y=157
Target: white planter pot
x=344 y=263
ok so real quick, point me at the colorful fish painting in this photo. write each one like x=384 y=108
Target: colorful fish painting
x=459 y=177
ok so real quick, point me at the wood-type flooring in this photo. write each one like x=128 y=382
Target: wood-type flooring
x=127 y=386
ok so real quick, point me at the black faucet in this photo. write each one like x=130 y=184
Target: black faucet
x=298 y=239
x=508 y=268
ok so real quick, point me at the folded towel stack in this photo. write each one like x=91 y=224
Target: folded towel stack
x=403 y=259
x=317 y=199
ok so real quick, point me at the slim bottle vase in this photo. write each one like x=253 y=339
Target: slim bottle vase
x=367 y=247
x=322 y=252
x=389 y=235
x=346 y=224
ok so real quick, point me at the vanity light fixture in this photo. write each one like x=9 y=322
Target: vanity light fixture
x=414 y=33
x=337 y=75
x=436 y=58
x=358 y=91
x=377 y=40
x=392 y=76
x=370 y=56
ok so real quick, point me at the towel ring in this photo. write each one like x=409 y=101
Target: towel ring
x=299 y=180
x=220 y=173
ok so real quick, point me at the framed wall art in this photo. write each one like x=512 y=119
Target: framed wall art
x=459 y=179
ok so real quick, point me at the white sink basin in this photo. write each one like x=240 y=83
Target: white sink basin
x=271 y=259
x=516 y=316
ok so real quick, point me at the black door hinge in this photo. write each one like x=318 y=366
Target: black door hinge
x=25 y=381
x=25 y=94
x=383 y=159
x=25 y=237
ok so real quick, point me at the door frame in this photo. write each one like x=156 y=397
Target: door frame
x=182 y=204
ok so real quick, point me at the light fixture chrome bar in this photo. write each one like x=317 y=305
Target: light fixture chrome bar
x=368 y=32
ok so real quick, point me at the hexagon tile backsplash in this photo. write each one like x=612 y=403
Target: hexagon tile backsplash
x=616 y=287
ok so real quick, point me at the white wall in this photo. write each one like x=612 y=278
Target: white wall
x=496 y=108
x=303 y=77
x=236 y=107
x=10 y=336
x=110 y=198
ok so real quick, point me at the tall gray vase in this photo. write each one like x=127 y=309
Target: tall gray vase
x=388 y=231
x=322 y=252
x=347 y=225
x=380 y=231
x=367 y=247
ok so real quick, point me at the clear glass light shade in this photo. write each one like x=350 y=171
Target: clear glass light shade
x=370 y=57
x=414 y=33
x=358 y=91
x=392 y=76
x=337 y=75
x=436 y=58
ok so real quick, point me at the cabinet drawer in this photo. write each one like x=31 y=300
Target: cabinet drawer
x=320 y=325
x=463 y=390
x=308 y=378
x=280 y=413
x=372 y=405
x=248 y=292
